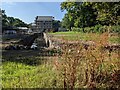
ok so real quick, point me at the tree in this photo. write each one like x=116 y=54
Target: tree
x=70 y=16
x=87 y=14
x=4 y=19
x=15 y=22
x=108 y=12
x=67 y=21
x=79 y=14
x=56 y=25
x=11 y=22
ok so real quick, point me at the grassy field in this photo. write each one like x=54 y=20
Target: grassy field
x=18 y=75
x=75 y=68
x=83 y=36
x=28 y=69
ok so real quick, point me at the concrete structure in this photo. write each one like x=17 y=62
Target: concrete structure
x=44 y=23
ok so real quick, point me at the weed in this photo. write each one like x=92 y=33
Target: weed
x=88 y=67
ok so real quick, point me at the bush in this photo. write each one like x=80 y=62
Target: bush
x=98 y=29
x=87 y=29
x=115 y=29
x=77 y=29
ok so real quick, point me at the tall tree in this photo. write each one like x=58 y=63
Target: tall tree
x=4 y=19
x=10 y=22
x=56 y=25
x=67 y=21
x=87 y=14
x=70 y=16
x=79 y=14
x=108 y=12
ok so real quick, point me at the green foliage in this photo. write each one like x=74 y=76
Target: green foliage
x=77 y=29
x=68 y=21
x=4 y=19
x=98 y=29
x=115 y=39
x=75 y=35
x=56 y=25
x=10 y=22
x=108 y=12
x=115 y=29
x=18 y=75
x=81 y=64
x=78 y=14
x=88 y=14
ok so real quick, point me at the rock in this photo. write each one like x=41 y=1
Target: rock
x=34 y=46
x=11 y=47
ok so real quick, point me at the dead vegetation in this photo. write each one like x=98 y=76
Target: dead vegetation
x=91 y=67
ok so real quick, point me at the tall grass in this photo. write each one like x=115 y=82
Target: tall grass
x=72 y=36
x=92 y=66
x=77 y=66
x=19 y=75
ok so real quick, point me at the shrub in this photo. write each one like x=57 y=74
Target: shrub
x=78 y=29
x=98 y=29
x=115 y=29
x=88 y=66
x=87 y=29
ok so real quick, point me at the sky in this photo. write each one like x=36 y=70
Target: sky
x=27 y=11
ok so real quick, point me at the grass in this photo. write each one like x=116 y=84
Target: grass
x=28 y=69
x=92 y=67
x=19 y=75
x=87 y=68
x=115 y=39
x=64 y=33
x=71 y=36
